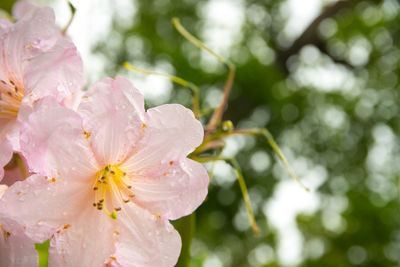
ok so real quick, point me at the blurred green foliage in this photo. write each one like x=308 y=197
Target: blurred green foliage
x=329 y=95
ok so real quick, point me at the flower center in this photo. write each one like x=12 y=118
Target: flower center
x=10 y=99
x=111 y=190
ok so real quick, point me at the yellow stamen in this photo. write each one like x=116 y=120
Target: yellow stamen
x=11 y=95
x=110 y=185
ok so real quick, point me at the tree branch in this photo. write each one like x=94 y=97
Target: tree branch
x=311 y=37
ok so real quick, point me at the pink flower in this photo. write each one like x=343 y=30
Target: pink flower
x=109 y=177
x=16 y=249
x=5 y=155
x=36 y=61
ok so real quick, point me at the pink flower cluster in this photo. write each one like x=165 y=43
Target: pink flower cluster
x=105 y=175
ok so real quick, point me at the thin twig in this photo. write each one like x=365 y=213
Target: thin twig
x=73 y=9
x=218 y=113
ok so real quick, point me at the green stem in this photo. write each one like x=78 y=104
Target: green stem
x=242 y=185
x=263 y=132
x=217 y=115
x=245 y=195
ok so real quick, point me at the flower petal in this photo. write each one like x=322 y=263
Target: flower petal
x=54 y=143
x=3 y=189
x=34 y=32
x=173 y=190
x=5 y=155
x=42 y=205
x=16 y=249
x=23 y=9
x=171 y=133
x=112 y=112
x=145 y=240
x=87 y=241
x=11 y=131
x=5 y=26
x=58 y=72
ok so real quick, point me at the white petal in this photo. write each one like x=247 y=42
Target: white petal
x=145 y=240
x=54 y=142
x=171 y=133
x=43 y=205
x=172 y=191
x=87 y=241
x=112 y=112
